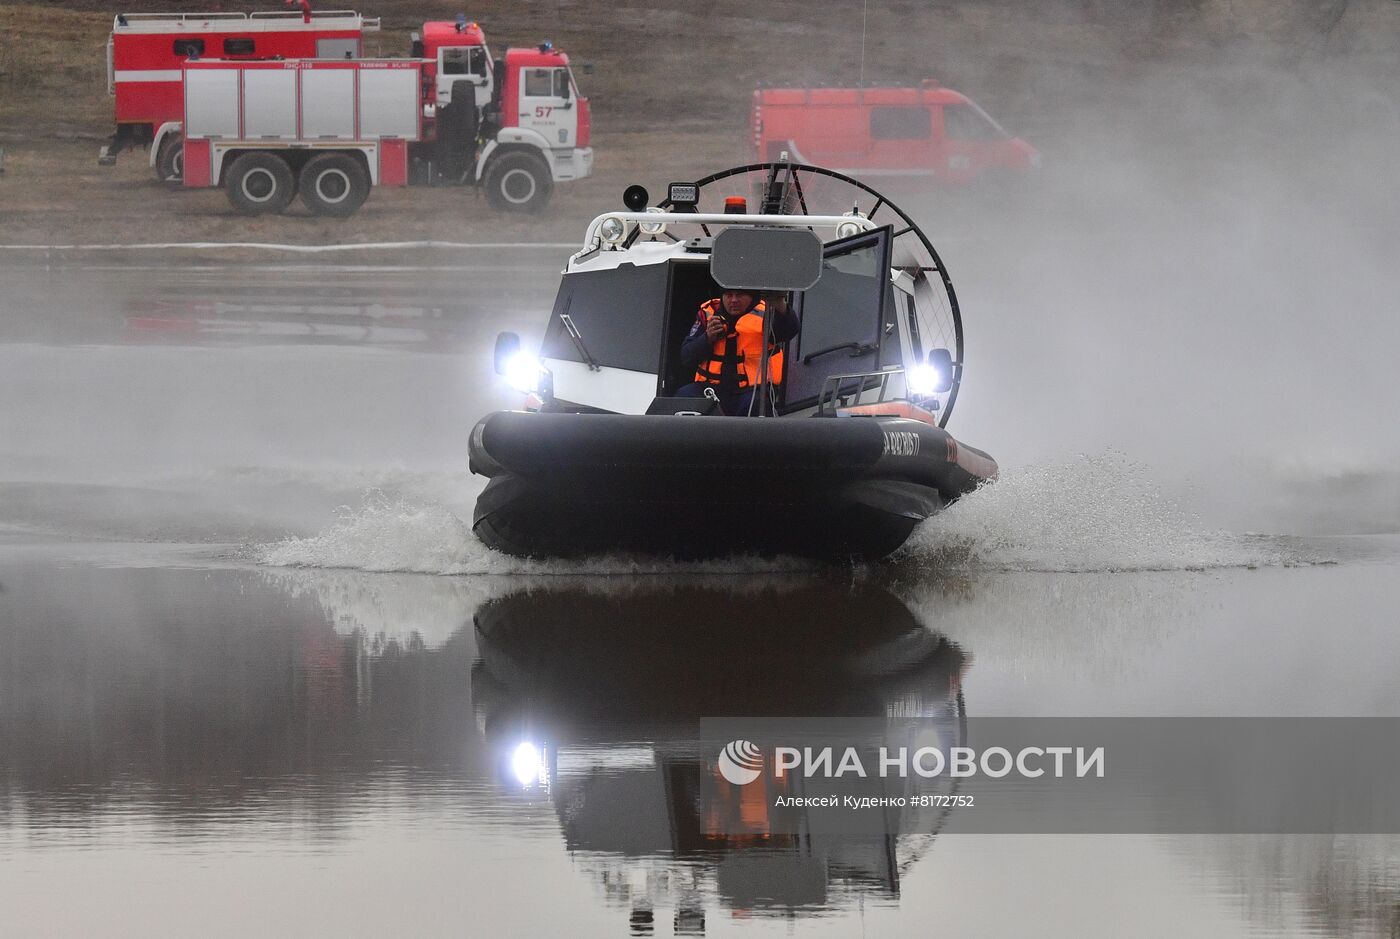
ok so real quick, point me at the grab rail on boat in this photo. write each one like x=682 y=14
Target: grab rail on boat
x=845 y=391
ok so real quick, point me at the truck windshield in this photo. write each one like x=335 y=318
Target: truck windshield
x=969 y=122
x=456 y=61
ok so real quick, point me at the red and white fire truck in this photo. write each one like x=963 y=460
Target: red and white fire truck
x=513 y=125
x=929 y=131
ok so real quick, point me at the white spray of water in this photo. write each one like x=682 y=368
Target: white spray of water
x=1100 y=513
x=1096 y=514
x=391 y=607
x=408 y=534
x=388 y=534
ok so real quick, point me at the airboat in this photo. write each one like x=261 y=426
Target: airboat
x=842 y=458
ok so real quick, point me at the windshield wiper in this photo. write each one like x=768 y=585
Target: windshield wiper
x=577 y=337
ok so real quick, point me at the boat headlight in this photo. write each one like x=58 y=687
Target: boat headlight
x=925 y=379
x=612 y=230
x=523 y=372
x=847 y=229
x=683 y=194
x=528 y=765
x=653 y=228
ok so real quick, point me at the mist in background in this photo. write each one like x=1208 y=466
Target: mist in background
x=1202 y=277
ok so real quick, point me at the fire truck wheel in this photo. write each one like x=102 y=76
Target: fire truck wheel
x=170 y=160
x=518 y=182
x=333 y=184
x=260 y=183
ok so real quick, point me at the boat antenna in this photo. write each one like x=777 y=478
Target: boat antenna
x=864 y=9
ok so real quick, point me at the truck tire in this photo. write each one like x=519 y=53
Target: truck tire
x=333 y=184
x=260 y=183
x=518 y=182
x=170 y=160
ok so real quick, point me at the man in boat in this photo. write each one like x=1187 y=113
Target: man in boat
x=725 y=348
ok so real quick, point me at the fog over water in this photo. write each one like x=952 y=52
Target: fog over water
x=1203 y=280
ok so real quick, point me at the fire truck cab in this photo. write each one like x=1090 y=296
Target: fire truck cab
x=456 y=51
x=540 y=110
x=929 y=131
x=526 y=103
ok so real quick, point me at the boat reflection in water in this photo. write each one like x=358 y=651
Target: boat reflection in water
x=191 y=734
x=153 y=714
x=590 y=696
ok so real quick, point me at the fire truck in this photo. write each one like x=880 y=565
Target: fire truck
x=513 y=125
x=930 y=132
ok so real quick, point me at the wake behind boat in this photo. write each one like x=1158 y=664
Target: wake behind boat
x=842 y=450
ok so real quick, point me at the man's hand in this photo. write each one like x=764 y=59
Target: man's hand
x=715 y=328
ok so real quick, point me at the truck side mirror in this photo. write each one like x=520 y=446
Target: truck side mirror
x=507 y=345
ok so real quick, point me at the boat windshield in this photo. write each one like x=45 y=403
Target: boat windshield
x=842 y=316
x=616 y=314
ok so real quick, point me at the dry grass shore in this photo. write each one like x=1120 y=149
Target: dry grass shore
x=670 y=84
x=55 y=113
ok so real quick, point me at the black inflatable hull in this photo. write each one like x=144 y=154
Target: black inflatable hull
x=564 y=485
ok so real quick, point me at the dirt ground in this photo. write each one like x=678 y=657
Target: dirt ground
x=670 y=83
x=53 y=119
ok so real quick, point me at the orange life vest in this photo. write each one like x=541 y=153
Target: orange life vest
x=742 y=344
x=739 y=814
